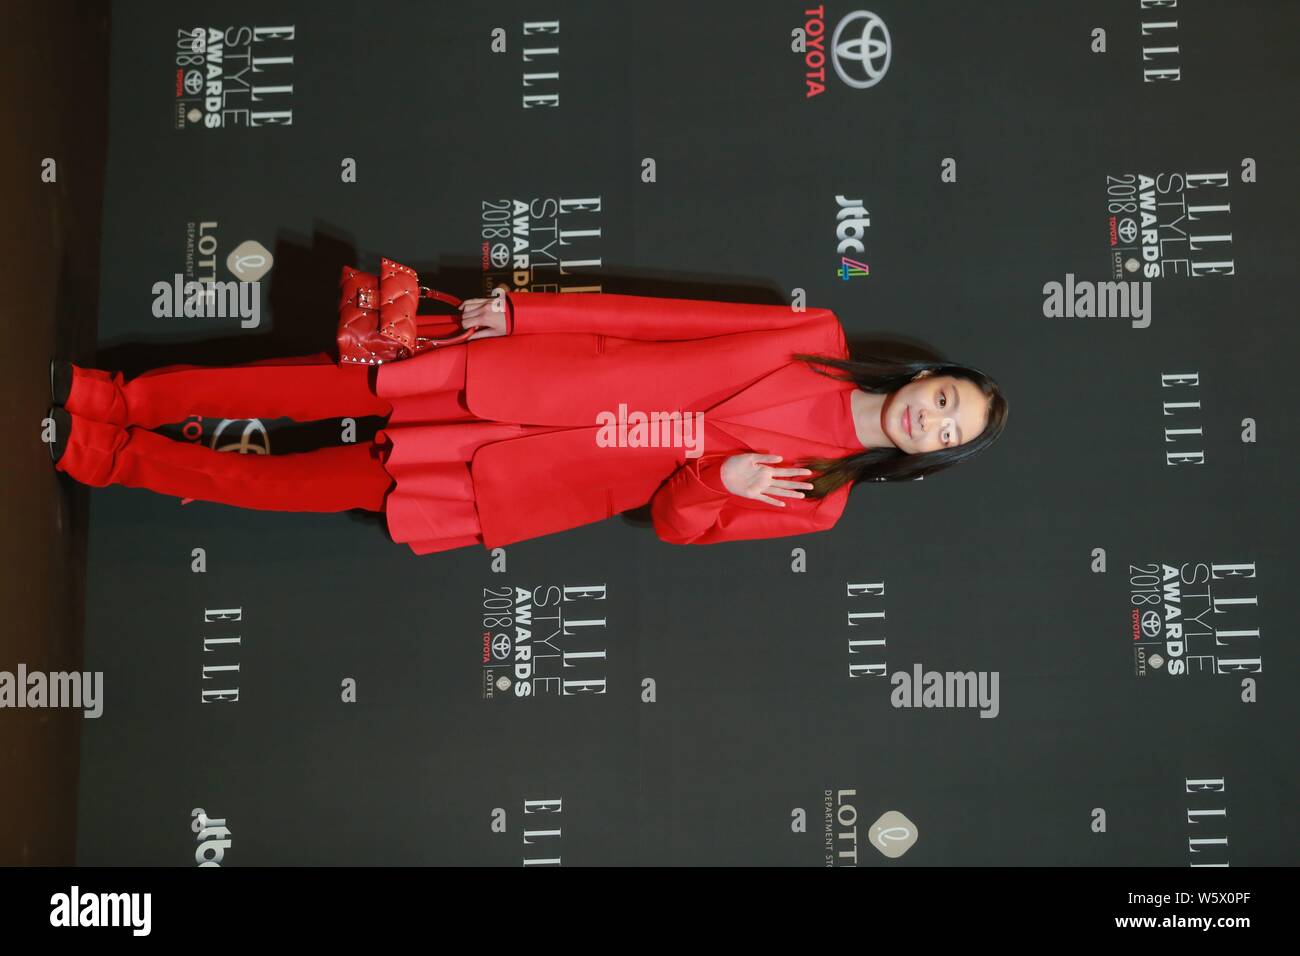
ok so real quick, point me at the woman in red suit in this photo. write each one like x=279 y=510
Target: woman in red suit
x=563 y=409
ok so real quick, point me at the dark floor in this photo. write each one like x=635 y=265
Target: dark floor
x=55 y=107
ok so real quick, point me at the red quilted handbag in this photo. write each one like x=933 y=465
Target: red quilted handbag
x=378 y=321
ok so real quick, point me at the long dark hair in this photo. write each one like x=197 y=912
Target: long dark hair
x=883 y=372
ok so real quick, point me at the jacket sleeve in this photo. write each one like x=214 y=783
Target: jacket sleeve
x=647 y=317
x=694 y=507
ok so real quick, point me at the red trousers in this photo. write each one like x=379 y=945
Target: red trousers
x=110 y=442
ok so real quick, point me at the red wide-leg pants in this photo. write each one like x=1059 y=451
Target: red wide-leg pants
x=110 y=442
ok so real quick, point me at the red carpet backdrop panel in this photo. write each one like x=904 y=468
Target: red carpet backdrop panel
x=1070 y=650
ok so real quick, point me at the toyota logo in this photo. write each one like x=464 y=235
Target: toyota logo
x=501 y=647
x=500 y=254
x=1128 y=230
x=1150 y=623
x=868 y=51
x=254 y=439
x=193 y=82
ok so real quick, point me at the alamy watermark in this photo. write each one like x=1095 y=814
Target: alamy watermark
x=83 y=690
x=626 y=429
x=1103 y=300
x=208 y=300
x=76 y=908
x=946 y=689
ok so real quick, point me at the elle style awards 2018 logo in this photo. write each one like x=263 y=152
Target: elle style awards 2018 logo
x=546 y=641
x=1169 y=224
x=1194 y=619
x=236 y=76
x=546 y=238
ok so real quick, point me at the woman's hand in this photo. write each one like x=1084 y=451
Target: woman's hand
x=486 y=315
x=747 y=475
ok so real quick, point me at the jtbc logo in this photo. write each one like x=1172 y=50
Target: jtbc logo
x=208 y=827
x=850 y=227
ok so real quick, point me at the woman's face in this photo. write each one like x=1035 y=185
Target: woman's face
x=934 y=411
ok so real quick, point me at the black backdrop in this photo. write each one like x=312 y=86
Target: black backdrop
x=753 y=733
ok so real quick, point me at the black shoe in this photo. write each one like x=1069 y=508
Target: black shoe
x=62 y=432
x=60 y=381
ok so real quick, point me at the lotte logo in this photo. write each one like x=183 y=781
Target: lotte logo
x=868 y=53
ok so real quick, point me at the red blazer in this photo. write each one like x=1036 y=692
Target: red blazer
x=570 y=356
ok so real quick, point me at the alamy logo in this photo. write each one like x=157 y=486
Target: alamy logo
x=651 y=430
x=210 y=300
x=102 y=909
x=83 y=690
x=1103 y=300
x=946 y=689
